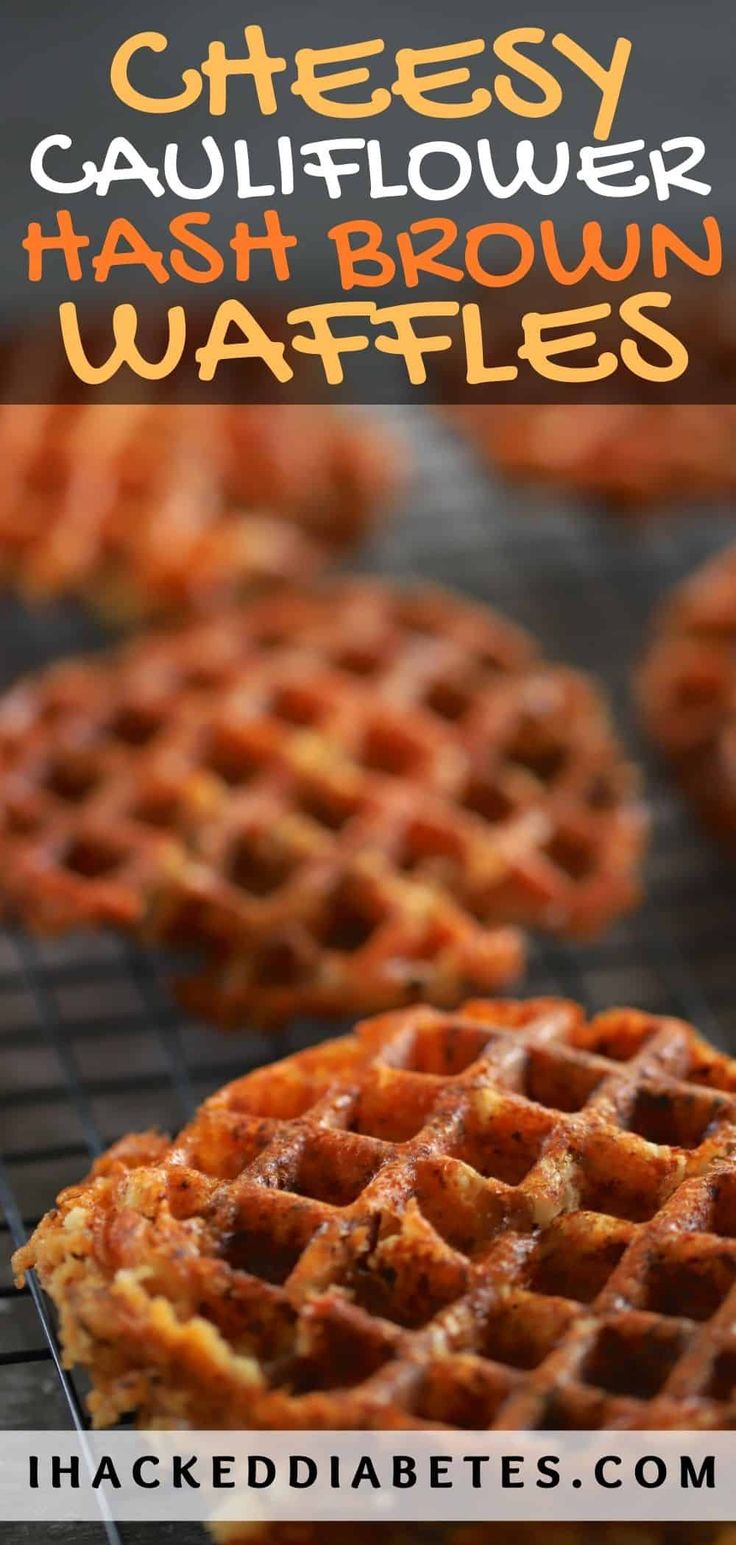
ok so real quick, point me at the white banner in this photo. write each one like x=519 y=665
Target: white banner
x=368 y=1476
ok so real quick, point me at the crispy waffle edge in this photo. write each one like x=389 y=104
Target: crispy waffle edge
x=686 y=689
x=507 y=1217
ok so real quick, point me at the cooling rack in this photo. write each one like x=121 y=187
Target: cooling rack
x=91 y=1043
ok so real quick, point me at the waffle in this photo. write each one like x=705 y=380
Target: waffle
x=345 y=801
x=151 y=508
x=629 y=457
x=504 y=1218
x=687 y=689
x=551 y=1533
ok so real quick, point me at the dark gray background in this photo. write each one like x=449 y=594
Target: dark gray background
x=680 y=80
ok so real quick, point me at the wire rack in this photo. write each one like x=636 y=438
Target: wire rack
x=91 y=1043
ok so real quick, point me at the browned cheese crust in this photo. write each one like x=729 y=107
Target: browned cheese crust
x=687 y=689
x=509 y=1217
x=630 y=457
x=146 y=509
x=344 y=801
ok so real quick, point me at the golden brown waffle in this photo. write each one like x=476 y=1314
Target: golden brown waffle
x=631 y=457
x=145 y=508
x=687 y=688
x=343 y=800
x=509 y=1217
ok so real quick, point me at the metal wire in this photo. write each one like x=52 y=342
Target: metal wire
x=91 y=1043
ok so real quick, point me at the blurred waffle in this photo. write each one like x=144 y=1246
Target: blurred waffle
x=344 y=801
x=633 y=457
x=509 y=1217
x=547 y=1533
x=687 y=688
x=158 y=508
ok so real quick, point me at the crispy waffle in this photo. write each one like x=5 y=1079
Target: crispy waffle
x=630 y=457
x=155 y=508
x=504 y=1218
x=346 y=801
x=687 y=689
